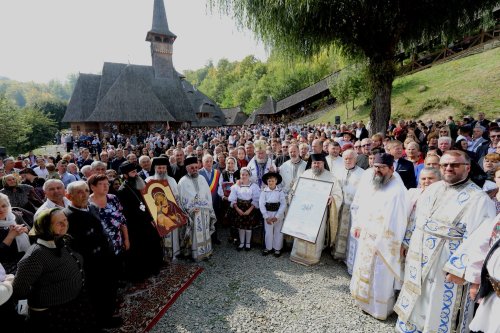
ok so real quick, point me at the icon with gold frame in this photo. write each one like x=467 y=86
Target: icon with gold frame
x=163 y=207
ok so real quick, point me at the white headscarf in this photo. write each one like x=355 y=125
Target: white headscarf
x=235 y=163
x=23 y=241
x=5 y=285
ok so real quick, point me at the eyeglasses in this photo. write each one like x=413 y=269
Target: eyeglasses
x=452 y=165
x=494 y=136
x=357 y=147
x=367 y=145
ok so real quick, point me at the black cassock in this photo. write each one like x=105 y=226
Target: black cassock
x=145 y=256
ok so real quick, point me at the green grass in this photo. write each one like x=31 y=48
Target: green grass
x=459 y=87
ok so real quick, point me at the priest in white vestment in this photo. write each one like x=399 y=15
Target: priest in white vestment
x=437 y=263
x=486 y=317
x=171 y=240
x=260 y=164
x=379 y=223
x=349 y=177
x=307 y=253
x=291 y=170
x=196 y=200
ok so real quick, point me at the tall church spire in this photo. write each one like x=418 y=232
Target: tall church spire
x=162 y=40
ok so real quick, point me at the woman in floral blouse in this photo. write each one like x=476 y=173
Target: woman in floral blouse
x=111 y=213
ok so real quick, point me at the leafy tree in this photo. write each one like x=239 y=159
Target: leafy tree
x=339 y=87
x=14 y=133
x=372 y=29
x=70 y=83
x=42 y=128
x=15 y=93
x=349 y=84
x=53 y=109
x=30 y=93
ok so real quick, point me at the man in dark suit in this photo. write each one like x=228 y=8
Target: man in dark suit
x=361 y=131
x=490 y=147
x=317 y=148
x=90 y=240
x=145 y=164
x=403 y=167
x=178 y=169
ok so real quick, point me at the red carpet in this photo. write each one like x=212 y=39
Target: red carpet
x=144 y=305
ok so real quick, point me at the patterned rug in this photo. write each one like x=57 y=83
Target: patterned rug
x=145 y=304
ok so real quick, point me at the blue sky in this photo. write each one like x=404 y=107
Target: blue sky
x=49 y=39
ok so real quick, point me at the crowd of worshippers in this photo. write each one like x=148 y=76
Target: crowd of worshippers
x=412 y=213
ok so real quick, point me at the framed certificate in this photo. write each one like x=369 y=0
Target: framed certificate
x=163 y=207
x=307 y=209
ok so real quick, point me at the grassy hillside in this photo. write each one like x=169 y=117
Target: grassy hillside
x=464 y=86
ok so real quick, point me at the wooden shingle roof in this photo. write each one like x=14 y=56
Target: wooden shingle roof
x=131 y=93
x=234 y=116
x=83 y=99
x=269 y=107
x=130 y=99
x=160 y=24
x=252 y=119
x=304 y=94
x=201 y=103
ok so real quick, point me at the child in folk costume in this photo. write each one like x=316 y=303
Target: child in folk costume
x=272 y=205
x=244 y=200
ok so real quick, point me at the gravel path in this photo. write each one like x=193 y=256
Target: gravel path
x=246 y=292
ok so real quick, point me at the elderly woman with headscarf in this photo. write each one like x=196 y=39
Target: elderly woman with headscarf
x=20 y=195
x=51 y=277
x=14 y=239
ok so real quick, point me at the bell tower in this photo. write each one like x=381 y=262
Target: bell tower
x=162 y=42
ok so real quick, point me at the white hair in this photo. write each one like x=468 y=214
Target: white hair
x=143 y=158
x=51 y=181
x=5 y=199
x=350 y=152
x=85 y=169
x=73 y=186
x=444 y=139
x=97 y=164
x=207 y=156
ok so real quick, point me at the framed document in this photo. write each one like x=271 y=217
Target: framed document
x=163 y=207
x=307 y=209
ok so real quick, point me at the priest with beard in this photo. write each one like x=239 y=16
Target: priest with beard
x=379 y=218
x=291 y=170
x=196 y=200
x=171 y=241
x=307 y=253
x=349 y=177
x=260 y=164
x=145 y=256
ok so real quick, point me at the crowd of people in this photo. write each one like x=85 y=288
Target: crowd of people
x=412 y=213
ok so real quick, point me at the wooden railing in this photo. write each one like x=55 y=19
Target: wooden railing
x=465 y=47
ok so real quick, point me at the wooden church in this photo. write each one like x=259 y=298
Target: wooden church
x=131 y=98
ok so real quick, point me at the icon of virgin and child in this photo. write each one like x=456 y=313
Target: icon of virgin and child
x=164 y=209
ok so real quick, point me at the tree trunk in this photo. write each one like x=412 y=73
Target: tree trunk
x=381 y=73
